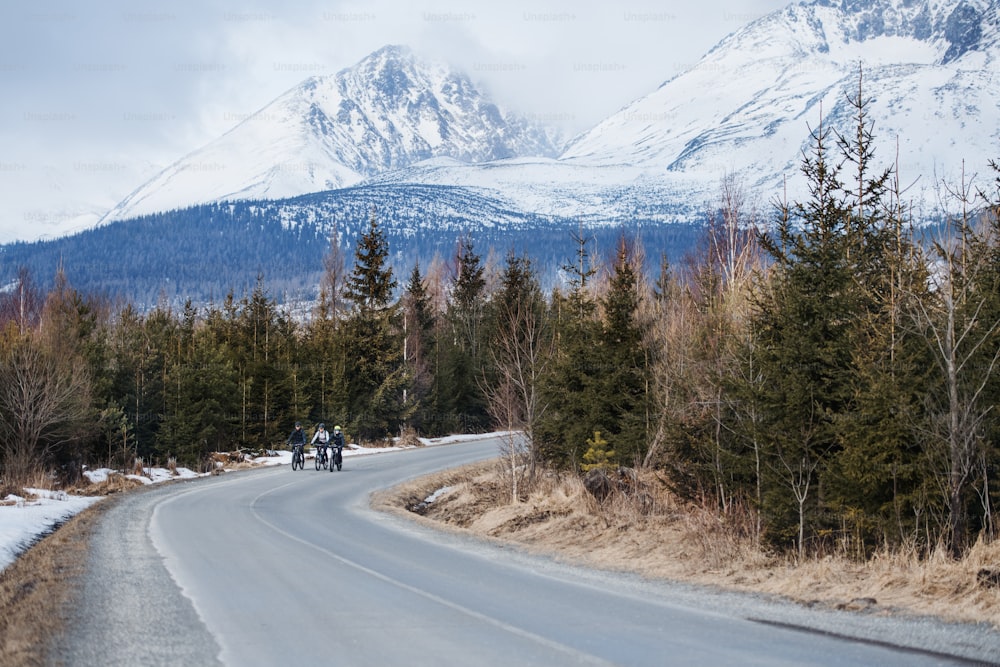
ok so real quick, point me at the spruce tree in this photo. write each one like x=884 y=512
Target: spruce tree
x=132 y=375
x=804 y=322
x=463 y=350
x=418 y=346
x=265 y=383
x=203 y=399
x=622 y=359
x=872 y=483
x=376 y=374
x=570 y=386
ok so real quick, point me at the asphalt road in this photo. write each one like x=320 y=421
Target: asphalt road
x=282 y=567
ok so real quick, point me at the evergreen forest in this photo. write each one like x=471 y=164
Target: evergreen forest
x=821 y=365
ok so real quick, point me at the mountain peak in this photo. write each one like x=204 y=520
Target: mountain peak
x=388 y=111
x=957 y=25
x=928 y=68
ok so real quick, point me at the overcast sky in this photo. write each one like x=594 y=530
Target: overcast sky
x=92 y=90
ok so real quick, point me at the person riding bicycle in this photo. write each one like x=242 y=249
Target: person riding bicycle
x=338 y=445
x=321 y=439
x=297 y=438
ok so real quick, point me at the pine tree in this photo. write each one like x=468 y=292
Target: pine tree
x=376 y=374
x=872 y=483
x=462 y=351
x=622 y=358
x=804 y=327
x=203 y=399
x=570 y=387
x=418 y=344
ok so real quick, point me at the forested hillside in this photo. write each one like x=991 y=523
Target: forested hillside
x=205 y=252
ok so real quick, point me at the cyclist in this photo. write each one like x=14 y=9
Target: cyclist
x=297 y=440
x=338 y=447
x=320 y=440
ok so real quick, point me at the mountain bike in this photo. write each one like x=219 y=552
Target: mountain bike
x=298 y=458
x=336 y=459
x=322 y=460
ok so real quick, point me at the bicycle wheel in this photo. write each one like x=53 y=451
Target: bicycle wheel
x=319 y=462
x=340 y=460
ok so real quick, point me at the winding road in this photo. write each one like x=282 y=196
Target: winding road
x=282 y=567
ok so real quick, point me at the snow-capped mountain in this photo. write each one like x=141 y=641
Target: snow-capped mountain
x=421 y=145
x=387 y=112
x=930 y=69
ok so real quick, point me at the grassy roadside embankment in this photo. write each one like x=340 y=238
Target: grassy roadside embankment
x=659 y=537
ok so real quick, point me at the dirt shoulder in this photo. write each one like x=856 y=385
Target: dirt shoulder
x=37 y=589
x=660 y=538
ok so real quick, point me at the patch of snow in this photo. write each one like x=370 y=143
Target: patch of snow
x=24 y=521
x=437 y=494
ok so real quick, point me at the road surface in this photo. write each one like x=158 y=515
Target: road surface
x=282 y=567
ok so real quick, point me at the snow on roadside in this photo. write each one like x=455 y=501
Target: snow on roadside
x=24 y=520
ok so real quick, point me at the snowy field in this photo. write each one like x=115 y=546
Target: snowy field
x=26 y=519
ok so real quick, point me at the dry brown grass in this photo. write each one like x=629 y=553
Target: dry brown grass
x=114 y=483
x=409 y=438
x=405 y=497
x=36 y=588
x=657 y=536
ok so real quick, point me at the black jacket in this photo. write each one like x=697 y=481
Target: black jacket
x=298 y=437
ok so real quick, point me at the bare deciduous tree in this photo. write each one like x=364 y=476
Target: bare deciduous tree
x=964 y=347
x=519 y=353
x=21 y=305
x=42 y=402
x=331 y=300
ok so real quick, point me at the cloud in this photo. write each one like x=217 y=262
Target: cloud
x=114 y=82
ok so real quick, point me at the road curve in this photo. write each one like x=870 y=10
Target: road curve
x=282 y=567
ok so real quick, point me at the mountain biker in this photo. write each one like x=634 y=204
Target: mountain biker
x=297 y=438
x=338 y=446
x=321 y=438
